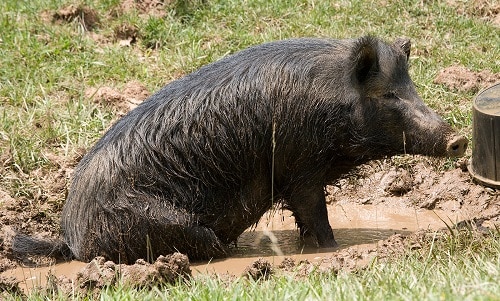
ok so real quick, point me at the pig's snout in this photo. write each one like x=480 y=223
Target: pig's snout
x=456 y=146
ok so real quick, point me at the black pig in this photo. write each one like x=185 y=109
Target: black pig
x=196 y=164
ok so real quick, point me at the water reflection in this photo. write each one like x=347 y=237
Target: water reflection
x=288 y=242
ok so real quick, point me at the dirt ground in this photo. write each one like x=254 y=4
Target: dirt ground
x=412 y=182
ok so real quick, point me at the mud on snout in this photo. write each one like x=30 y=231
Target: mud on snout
x=457 y=145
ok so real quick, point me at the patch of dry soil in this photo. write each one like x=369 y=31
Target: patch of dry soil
x=85 y=16
x=156 y=8
x=459 y=78
x=488 y=10
x=132 y=94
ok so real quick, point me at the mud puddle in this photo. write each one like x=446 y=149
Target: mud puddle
x=276 y=237
x=32 y=278
x=353 y=224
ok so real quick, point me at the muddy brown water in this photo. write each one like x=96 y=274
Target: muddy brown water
x=276 y=237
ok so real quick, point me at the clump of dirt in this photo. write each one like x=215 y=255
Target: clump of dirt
x=350 y=259
x=9 y=286
x=301 y=269
x=155 y=8
x=126 y=34
x=97 y=274
x=122 y=101
x=84 y=15
x=259 y=269
x=488 y=10
x=449 y=190
x=460 y=78
x=100 y=273
x=287 y=264
x=398 y=181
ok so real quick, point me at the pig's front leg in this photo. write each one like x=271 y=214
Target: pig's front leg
x=308 y=206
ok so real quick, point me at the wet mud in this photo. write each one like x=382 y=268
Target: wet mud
x=355 y=226
x=275 y=240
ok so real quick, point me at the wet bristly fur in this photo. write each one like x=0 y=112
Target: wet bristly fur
x=194 y=165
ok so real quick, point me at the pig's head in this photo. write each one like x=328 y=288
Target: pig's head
x=389 y=116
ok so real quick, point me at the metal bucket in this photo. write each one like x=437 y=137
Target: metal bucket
x=484 y=165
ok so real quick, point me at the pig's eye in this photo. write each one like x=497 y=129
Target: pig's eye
x=390 y=95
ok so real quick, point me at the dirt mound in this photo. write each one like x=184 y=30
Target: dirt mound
x=259 y=269
x=488 y=10
x=100 y=273
x=84 y=15
x=122 y=101
x=460 y=78
x=155 y=8
x=418 y=184
x=126 y=34
x=9 y=286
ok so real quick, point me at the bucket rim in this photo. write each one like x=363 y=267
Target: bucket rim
x=474 y=102
x=482 y=180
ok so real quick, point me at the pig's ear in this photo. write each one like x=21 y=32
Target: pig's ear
x=405 y=45
x=365 y=59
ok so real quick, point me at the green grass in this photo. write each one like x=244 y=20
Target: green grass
x=45 y=68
